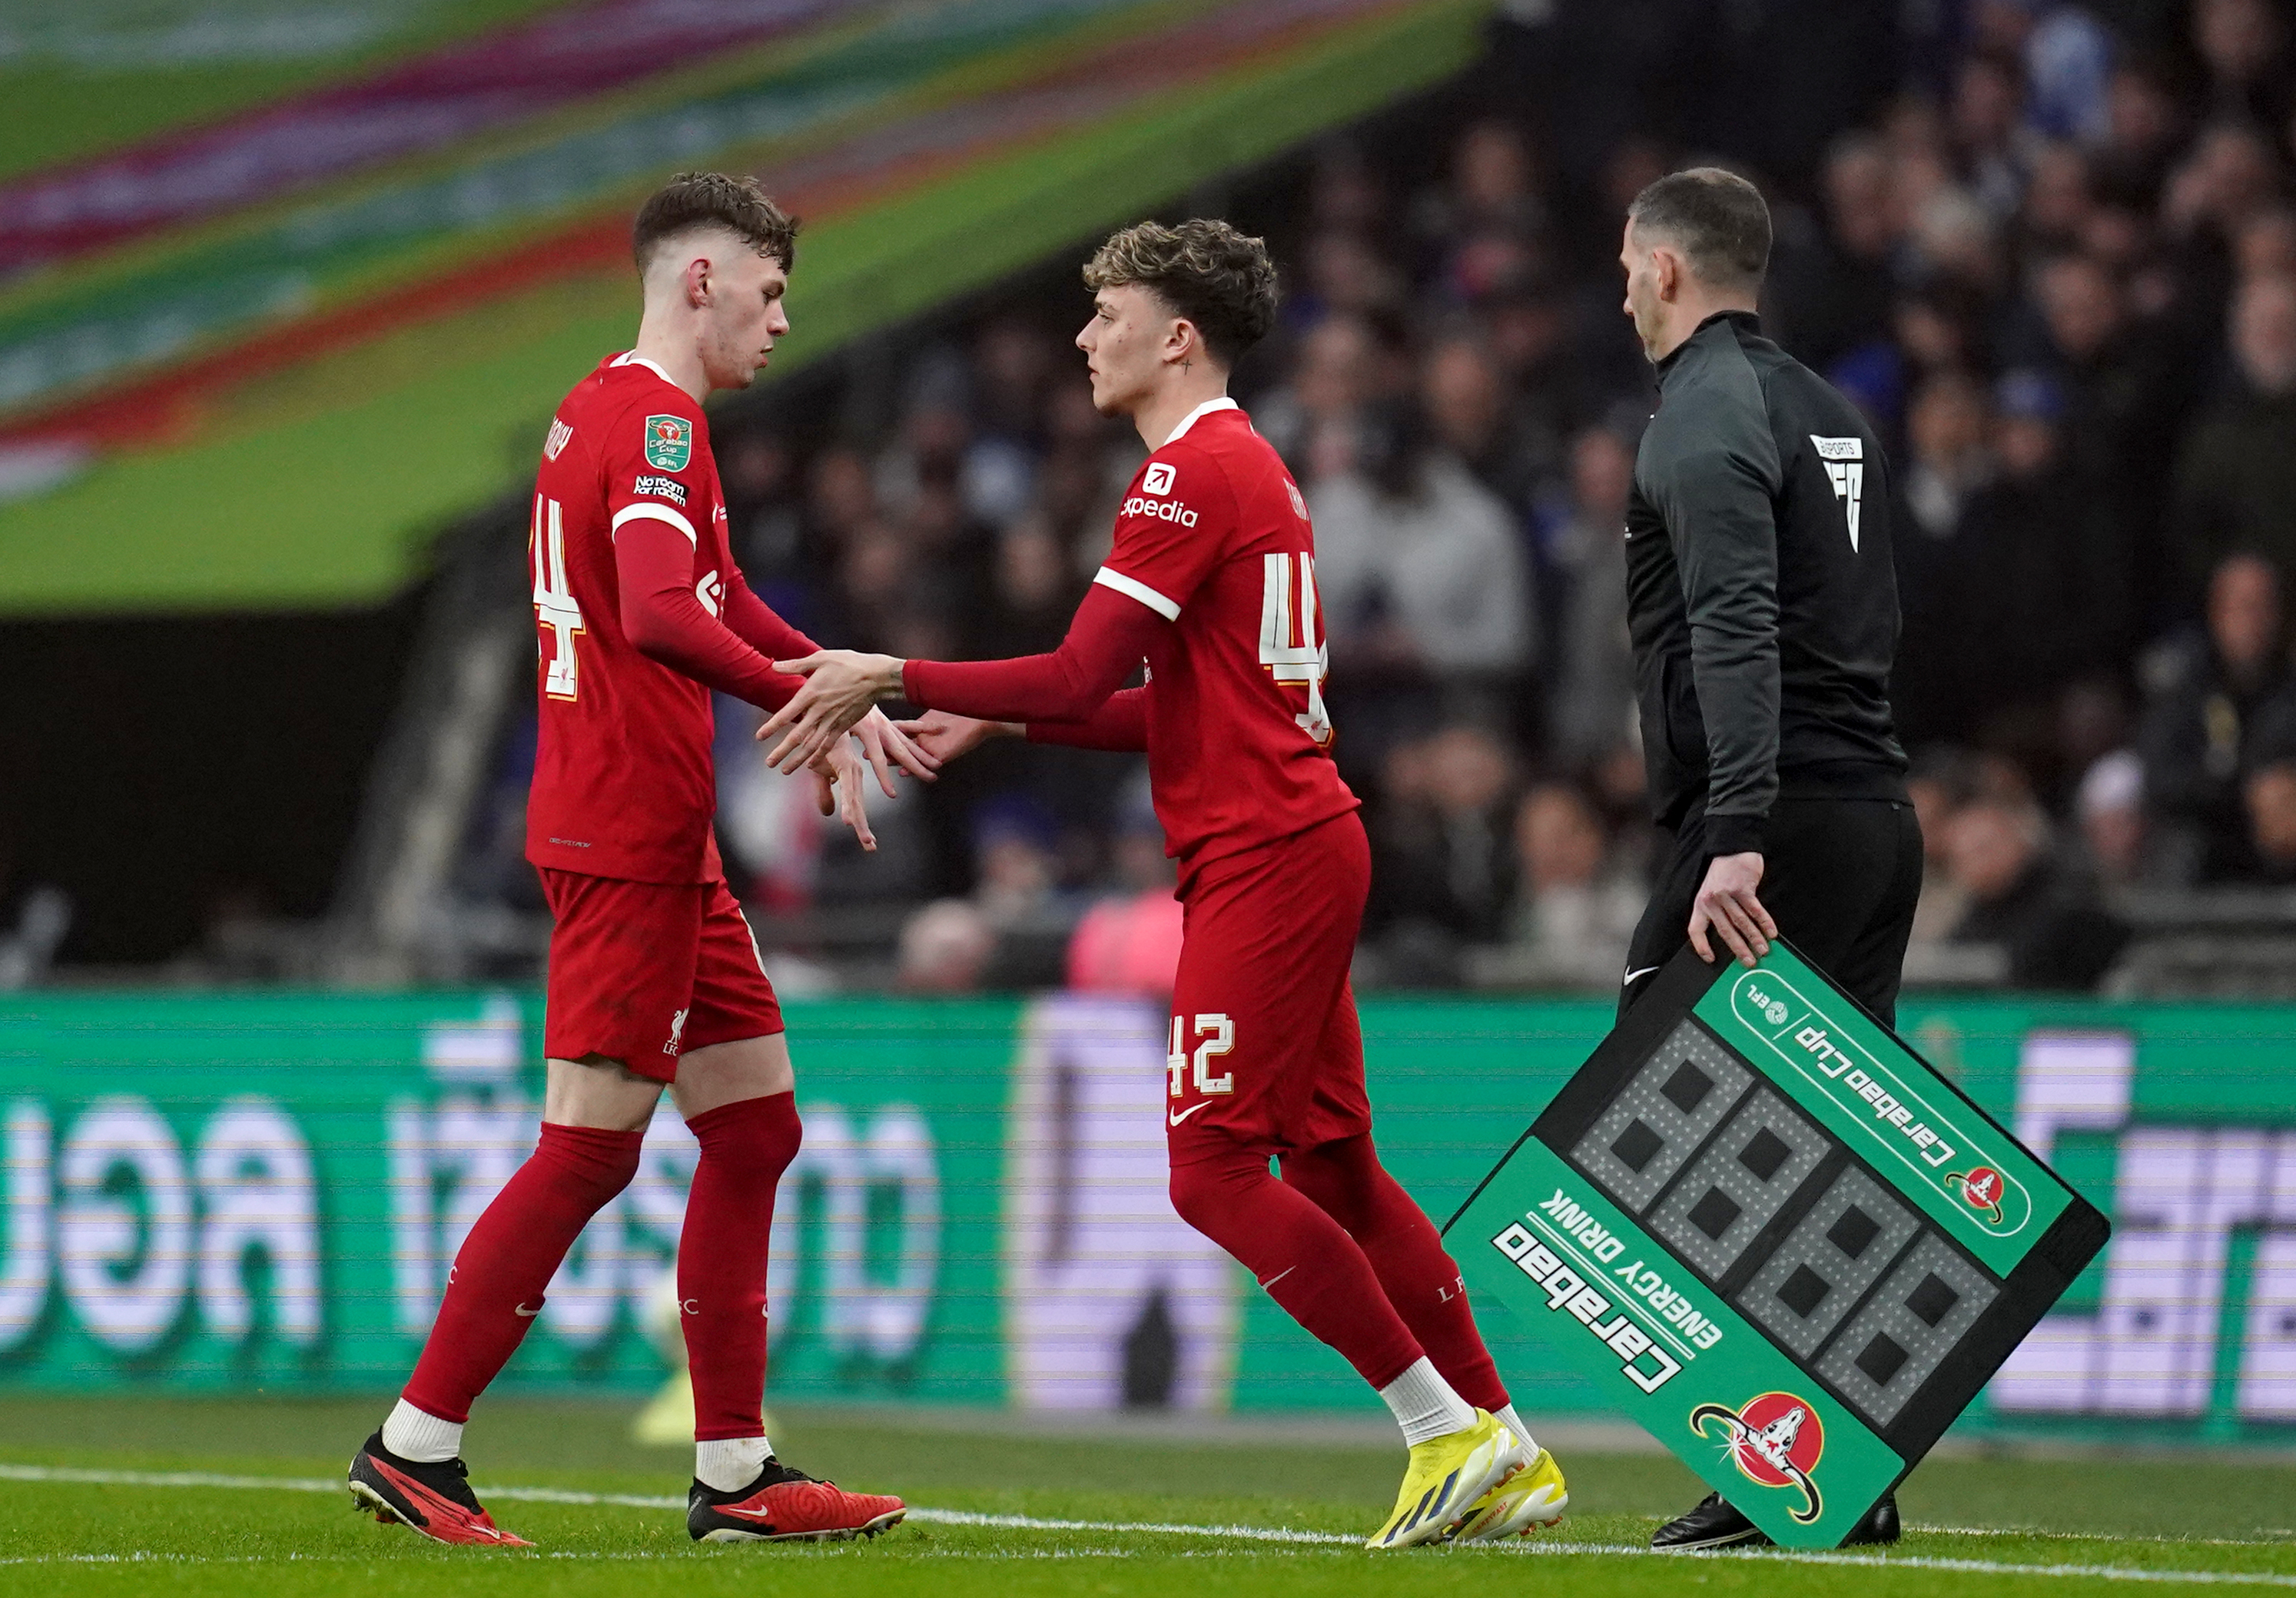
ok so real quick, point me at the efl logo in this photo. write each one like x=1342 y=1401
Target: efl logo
x=1775 y=1440
x=1168 y=510
x=1159 y=479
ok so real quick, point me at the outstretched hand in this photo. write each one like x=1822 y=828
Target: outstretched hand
x=942 y=737
x=881 y=741
x=841 y=688
x=837 y=790
x=1726 y=903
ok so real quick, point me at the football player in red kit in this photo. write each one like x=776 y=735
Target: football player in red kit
x=655 y=980
x=1212 y=583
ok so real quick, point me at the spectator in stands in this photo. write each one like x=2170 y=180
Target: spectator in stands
x=1129 y=942
x=1442 y=873
x=1935 y=687
x=2236 y=487
x=1832 y=296
x=1592 y=706
x=1421 y=569
x=1467 y=406
x=2270 y=794
x=1311 y=419
x=945 y=947
x=2126 y=385
x=2025 y=603
x=2049 y=921
x=1572 y=913
x=2244 y=44
x=1942 y=780
x=2197 y=737
x=2111 y=807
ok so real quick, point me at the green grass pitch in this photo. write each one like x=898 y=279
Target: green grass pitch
x=152 y=1497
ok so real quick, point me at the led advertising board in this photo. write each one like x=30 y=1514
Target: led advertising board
x=1767 y=1230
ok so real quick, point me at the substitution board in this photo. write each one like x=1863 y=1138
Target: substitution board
x=1763 y=1227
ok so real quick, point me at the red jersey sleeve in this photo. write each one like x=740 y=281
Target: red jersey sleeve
x=1172 y=530
x=1120 y=723
x=665 y=622
x=1106 y=641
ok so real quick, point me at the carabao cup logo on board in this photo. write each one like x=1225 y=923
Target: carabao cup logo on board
x=1932 y=1142
x=668 y=443
x=1775 y=1439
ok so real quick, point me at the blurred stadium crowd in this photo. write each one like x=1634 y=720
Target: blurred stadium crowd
x=2058 y=270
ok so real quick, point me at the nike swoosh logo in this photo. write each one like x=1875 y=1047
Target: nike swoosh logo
x=1184 y=1114
x=1631 y=975
x=521 y=1309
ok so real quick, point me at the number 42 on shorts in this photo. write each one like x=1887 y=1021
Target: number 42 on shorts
x=1218 y=1036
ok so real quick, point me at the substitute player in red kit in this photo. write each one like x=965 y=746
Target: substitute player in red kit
x=1212 y=582
x=655 y=980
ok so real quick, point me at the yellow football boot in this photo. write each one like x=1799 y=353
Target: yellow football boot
x=1445 y=1476
x=1532 y=1498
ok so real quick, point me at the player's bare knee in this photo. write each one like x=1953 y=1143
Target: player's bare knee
x=600 y=1092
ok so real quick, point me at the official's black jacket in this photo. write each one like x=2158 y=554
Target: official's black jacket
x=1760 y=590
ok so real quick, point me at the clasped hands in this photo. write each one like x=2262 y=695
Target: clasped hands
x=831 y=756
x=841 y=690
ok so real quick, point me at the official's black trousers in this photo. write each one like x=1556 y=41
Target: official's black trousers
x=1840 y=876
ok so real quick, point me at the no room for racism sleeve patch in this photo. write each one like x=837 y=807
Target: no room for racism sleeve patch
x=1773 y=1234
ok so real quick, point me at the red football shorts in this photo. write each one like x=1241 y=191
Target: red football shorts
x=642 y=972
x=1264 y=1048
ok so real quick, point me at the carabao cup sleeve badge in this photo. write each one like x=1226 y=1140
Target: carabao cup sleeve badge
x=668 y=443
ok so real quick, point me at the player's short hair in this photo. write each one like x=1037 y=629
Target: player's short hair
x=1209 y=272
x=1715 y=218
x=693 y=199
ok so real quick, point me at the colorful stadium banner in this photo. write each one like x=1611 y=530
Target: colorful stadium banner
x=273 y=395
x=233 y=1192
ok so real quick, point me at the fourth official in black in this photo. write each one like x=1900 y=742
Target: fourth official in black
x=1763 y=608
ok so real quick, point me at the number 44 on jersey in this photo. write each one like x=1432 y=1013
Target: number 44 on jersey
x=1292 y=644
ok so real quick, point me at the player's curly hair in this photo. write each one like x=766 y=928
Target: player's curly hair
x=738 y=204
x=1209 y=272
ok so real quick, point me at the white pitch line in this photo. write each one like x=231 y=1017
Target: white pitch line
x=1256 y=1534
x=1250 y=1534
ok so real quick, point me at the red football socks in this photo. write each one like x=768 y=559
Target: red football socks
x=514 y=1248
x=1299 y=1255
x=721 y=1260
x=1422 y=1281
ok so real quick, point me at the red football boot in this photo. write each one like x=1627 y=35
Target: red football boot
x=433 y=1499
x=783 y=1506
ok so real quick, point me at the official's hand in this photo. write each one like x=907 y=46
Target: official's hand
x=837 y=789
x=840 y=687
x=1727 y=904
x=944 y=737
x=881 y=741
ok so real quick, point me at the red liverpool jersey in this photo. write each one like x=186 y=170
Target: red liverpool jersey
x=1214 y=536
x=624 y=785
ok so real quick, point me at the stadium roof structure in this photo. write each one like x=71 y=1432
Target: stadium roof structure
x=257 y=363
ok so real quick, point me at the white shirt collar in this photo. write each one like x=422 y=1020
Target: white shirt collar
x=1222 y=404
x=631 y=358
